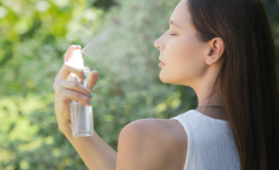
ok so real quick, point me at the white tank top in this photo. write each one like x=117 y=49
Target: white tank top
x=211 y=144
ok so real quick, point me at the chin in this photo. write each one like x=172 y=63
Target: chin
x=165 y=79
x=169 y=79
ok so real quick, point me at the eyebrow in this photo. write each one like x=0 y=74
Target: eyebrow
x=172 y=23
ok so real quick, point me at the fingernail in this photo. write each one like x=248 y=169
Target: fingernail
x=91 y=102
x=77 y=46
x=91 y=94
x=84 y=76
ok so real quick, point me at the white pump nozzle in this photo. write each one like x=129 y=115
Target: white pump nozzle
x=77 y=59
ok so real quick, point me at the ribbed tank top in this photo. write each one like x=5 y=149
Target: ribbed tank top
x=211 y=144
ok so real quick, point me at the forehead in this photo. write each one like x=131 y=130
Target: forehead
x=181 y=14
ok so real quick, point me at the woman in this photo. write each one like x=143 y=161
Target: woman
x=224 y=50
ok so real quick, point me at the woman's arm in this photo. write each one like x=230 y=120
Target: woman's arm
x=96 y=154
x=94 y=151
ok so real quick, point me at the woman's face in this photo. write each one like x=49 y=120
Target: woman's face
x=181 y=51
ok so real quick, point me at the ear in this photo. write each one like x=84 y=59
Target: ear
x=216 y=48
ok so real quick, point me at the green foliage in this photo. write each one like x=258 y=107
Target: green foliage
x=34 y=37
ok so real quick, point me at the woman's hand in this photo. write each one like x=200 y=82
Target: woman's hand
x=69 y=89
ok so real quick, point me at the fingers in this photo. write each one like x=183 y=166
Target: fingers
x=92 y=80
x=68 y=68
x=74 y=85
x=71 y=94
x=69 y=52
x=77 y=96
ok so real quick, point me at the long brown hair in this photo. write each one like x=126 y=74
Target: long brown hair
x=248 y=77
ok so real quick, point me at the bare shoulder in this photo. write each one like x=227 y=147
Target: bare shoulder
x=152 y=144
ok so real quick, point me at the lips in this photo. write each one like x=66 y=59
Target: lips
x=162 y=61
x=161 y=64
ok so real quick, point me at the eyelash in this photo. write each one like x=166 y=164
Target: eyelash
x=171 y=34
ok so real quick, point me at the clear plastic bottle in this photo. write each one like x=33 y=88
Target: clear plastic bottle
x=81 y=114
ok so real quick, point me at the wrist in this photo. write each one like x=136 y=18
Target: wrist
x=65 y=129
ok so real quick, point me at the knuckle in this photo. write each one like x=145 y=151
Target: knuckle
x=59 y=89
x=80 y=72
x=77 y=96
x=54 y=85
x=75 y=84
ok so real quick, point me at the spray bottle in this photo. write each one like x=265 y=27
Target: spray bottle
x=81 y=114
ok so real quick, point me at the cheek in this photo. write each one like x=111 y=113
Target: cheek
x=184 y=61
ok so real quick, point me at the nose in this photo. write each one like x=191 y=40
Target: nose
x=157 y=44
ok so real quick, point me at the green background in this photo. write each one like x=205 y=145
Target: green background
x=34 y=35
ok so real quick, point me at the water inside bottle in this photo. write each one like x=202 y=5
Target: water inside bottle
x=81 y=119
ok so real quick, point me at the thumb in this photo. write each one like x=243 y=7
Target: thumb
x=92 y=80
